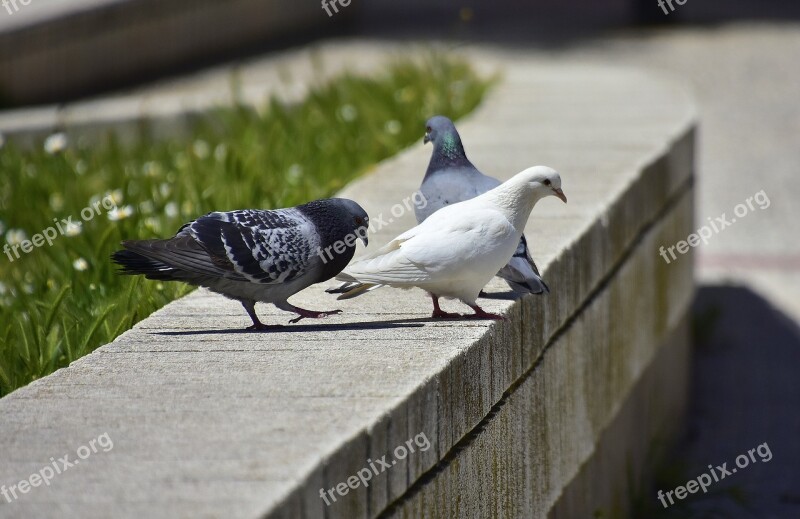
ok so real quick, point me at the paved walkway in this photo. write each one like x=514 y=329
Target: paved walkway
x=746 y=79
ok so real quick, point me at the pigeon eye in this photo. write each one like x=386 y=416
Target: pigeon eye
x=428 y=129
x=547 y=181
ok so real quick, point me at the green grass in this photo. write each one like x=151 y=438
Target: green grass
x=60 y=302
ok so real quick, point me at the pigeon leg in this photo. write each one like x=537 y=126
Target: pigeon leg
x=250 y=306
x=481 y=314
x=438 y=313
x=312 y=314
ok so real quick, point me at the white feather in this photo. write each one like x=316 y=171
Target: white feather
x=459 y=248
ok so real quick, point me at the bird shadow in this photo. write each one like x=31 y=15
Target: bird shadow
x=417 y=322
x=301 y=328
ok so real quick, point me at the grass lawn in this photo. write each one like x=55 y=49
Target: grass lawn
x=59 y=302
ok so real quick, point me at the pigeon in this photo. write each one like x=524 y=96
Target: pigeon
x=255 y=255
x=455 y=251
x=452 y=178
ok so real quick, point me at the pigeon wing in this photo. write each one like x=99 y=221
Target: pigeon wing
x=255 y=246
x=439 y=248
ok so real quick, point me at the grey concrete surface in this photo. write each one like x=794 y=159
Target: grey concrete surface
x=169 y=107
x=208 y=421
x=53 y=50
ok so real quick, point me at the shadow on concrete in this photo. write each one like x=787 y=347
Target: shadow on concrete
x=305 y=328
x=746 y=393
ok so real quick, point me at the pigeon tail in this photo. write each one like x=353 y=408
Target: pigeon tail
x=133 y=263
x=521 y=272
x=521 y=276
x=349 y=290
x=351 y=287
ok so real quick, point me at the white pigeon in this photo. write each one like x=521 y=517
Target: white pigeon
x=452 y=178
x=459 y=248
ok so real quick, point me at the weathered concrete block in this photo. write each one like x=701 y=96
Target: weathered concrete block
x=223 y=423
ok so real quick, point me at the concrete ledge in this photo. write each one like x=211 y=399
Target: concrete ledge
x=170 y=108
x=52 y=51
x=211 y=422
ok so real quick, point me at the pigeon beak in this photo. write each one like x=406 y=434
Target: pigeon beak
x=426 y=139
x=365 y=240
x=560 y=194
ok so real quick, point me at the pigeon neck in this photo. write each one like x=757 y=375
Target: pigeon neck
x=448 y=153
x=337 y=246
x=516 y=201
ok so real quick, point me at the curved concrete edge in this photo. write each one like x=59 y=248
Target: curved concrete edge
x=170 y=108
x=580 y=252
x=50 y=51
x=212 y=422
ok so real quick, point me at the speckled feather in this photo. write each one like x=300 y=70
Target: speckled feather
x=254 y=255
x=260 y=246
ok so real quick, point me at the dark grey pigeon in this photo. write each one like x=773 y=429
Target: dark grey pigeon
x=452 y=178
x=255 y=255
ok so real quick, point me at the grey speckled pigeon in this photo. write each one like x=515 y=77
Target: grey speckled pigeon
x=451 y=178
x=255 y=255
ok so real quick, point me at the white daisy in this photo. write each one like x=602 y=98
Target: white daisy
x=80 y=264
x=55 y=143
x=115 y=195
x=56 y=202
x=220 y=152
x=120 y=213
x=15 y=236
x=171 y=209
x=73 y=229
x=393 y=127
x=201 y=149
x=348 y=113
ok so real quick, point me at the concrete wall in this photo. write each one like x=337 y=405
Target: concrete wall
x=546 y=415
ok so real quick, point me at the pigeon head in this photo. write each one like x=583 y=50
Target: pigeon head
x=543 y=181
x=442 y=133
x=339 y=224
x=517 y=195
x=448 y=152
x=354 y=216
x=337 y=220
